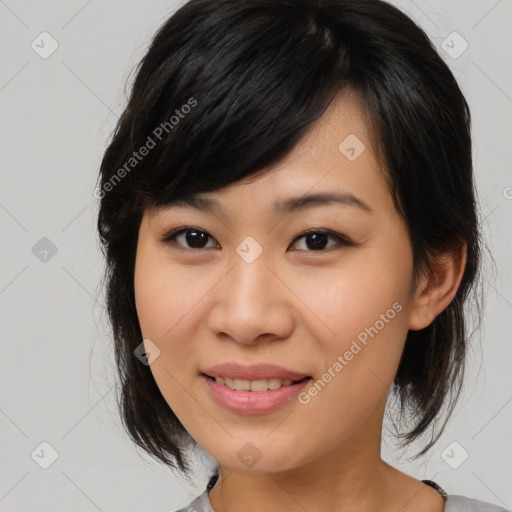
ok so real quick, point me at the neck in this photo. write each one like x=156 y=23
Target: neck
x=351 y=475
x=348 y=476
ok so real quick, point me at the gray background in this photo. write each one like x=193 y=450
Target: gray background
x=56 y=370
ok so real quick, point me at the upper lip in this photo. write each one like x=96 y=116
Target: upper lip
x=235 y=370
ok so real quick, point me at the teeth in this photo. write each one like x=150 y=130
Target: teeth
x=253 y=385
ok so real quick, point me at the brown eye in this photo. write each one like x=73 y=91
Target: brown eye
x=194 y=238
x=191 y=238
x=316 y=240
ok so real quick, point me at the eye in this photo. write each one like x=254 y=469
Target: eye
x=195 y=237
x=316 y=239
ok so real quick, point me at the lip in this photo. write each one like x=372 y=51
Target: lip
x=235 y=370
x=252 y=402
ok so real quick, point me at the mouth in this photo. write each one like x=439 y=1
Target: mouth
x=253 y=397
x=258 y=385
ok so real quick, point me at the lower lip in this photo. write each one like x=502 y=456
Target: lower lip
x=253 y=402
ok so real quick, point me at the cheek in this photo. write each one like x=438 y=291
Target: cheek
x=159 y=310
x=364 y=323
x=368 y=293
x=165 y=294
x=162 y=317
x=168 y=302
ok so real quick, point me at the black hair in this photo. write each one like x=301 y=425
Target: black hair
x=228 y=87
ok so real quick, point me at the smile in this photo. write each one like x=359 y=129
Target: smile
x=261 y=396
x=254 y=385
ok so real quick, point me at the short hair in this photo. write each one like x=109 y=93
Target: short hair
x=229 y=87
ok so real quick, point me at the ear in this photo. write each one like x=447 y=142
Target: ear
x=435 y=291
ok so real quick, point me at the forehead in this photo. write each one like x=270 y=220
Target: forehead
x=335 y=156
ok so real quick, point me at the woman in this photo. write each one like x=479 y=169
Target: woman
x=290 y=227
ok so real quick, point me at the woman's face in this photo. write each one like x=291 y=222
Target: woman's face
x=244 y=285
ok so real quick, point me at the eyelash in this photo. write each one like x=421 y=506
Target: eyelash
x=170 y=238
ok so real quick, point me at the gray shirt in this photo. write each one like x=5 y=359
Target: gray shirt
x=453 y=503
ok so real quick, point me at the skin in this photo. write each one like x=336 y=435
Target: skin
x=298 y=307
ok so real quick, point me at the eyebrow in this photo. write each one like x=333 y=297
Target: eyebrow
x=284 y=206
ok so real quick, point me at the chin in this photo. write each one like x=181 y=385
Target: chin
x=254 y=457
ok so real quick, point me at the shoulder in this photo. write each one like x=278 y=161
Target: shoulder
x=200 y=504
x=456 y=503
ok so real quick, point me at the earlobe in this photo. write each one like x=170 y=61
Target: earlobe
x=437 y=290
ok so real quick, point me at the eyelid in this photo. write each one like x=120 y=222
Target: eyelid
x=343 y=239
x=167 y=238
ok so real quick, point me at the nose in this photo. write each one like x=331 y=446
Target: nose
x=252 y=304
